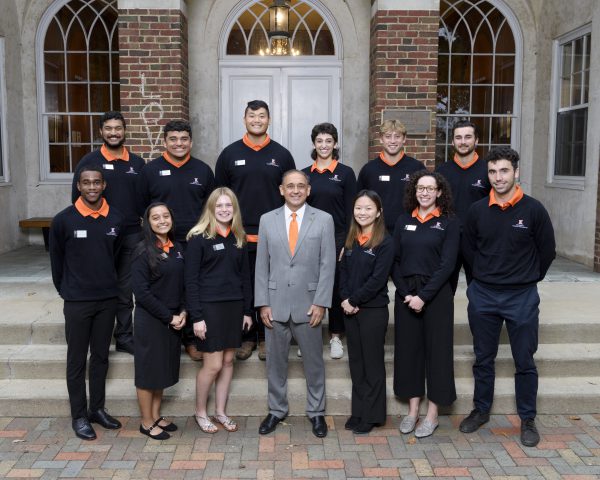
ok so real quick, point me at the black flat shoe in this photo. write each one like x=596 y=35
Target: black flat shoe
x=352 y=423
x=125 y=347
x=148 y=432
x=102 y=417
x=319 y=428
x=169 y=427
x=83 y=429
x=363 y=428
x=269 y=424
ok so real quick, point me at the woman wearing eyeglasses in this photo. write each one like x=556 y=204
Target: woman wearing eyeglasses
x=426 y=241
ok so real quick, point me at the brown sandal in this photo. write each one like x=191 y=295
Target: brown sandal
x=206 y=425
x=227 y=423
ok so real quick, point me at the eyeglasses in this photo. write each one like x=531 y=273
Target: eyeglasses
x=429 y=188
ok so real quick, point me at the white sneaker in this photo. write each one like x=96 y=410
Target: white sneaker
x=336 y=348
x=299 y=353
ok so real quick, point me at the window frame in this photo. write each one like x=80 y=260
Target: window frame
x=4 y=170
x=575 y=182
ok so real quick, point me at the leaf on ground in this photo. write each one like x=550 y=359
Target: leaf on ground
x=574 y=417
x=412 y=440
x=18 y=441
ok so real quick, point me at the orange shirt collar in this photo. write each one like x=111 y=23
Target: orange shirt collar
x=363 y=238
x=518 y=195
x=111 y=158
x=86 y=211
x=330 y=167
x=175 y=163
x=224 y=234
x=254 y=146
x=429 y=216
x=387 y=162
x=165 y=247
x=470 y=164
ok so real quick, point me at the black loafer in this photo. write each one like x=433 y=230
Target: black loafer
x=101 y=417
x=126 y=347
x=352 y=423
x=269 y=424
x=363 y=428
x=83 y=429
x=529 y=434
x=475 y=420
x=319 y=426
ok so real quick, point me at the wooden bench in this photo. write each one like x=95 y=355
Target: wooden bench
x=38 y=222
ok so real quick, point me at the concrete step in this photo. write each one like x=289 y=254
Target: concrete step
x=48 y=361
x=248 y=397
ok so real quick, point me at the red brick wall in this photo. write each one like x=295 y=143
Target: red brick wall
x=153 y=63
x=403 y=76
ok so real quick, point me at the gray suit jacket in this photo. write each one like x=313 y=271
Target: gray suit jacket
x=290 y=285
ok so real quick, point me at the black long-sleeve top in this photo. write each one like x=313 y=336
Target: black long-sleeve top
x=160 y=294
x=82 y=254
x=389 y=182
x=121 y=186
x=427 y=250
x=511 y=248
x=216 y=271
x=334 y=192
x=364 y=274
x=467 y=185
x=254 y=176
x=184 y=189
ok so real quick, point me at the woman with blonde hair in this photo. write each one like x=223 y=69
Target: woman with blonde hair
x=219 y=296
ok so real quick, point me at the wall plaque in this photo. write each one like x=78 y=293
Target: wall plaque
x=417 y=122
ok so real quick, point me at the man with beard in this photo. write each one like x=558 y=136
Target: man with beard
x=121 y=170
x=467 y=176
x=253 y=168
x=389 y=172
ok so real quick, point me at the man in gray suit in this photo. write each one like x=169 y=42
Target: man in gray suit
x=295 y=266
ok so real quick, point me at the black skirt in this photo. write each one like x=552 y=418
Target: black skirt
x=157 y=352
x=223 y=326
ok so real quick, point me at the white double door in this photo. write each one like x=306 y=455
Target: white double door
x=299 y=97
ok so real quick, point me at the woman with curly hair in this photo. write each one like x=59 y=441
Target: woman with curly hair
x=219 y=297
x=426 y=241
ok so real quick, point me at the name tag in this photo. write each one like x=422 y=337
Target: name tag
x=218 y=246
x=108 y=166
x=384 y=178
x=411 y=228
x=164 y=173
x=239 y=163
x=80 y=233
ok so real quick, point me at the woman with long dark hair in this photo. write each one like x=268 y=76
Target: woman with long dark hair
x=426 y=241
x=219 y=298
x=157 y=283
x=364 y=271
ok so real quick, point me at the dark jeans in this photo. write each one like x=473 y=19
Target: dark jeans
x=488 y=309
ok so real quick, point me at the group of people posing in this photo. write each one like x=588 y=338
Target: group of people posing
x=254 y=255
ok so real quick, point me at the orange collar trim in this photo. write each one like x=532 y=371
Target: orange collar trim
x=517 y=196
x=470 y=164
x=124 y=155
x=363 y=238
x=330 y=167
x=434 y=213
x=175 y=163
x=387 y=162
x=256 y=146
x=86 y=211
x=165 y=247
x=224 y=234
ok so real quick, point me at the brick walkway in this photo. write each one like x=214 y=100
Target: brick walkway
x=46 y=448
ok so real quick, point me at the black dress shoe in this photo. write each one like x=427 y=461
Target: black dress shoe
x=83 y=429
x=363 y=428
x=529 y=434
x=319 y=426
x=352 y=423
x=125 y=347
x=103 y=418
x=475 y=420
x=269 y=424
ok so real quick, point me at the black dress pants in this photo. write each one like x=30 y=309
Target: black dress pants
x=88 y=325
x=256 y=333
x=124 y=325
x=365 y=337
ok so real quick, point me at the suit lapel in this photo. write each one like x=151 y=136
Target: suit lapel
x=307 y=221
x=282 y=230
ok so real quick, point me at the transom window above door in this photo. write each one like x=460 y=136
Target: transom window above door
x=280 y=28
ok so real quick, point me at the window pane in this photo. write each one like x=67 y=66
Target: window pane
x=576 y=90
x=58 y=128
x=54 y=67
x=236 y=44
x=99 y=38
x=503 y=99
x=484 y=43
x=324 y=43
x=100 y=97
x=459 y=100
x=76 y=38
x=505 y=69
x=54 y=37
x=77 y=67
x=55 y=97
x=571 y=133
x=99 y=67
x=501 y=129
x=443 y=64
x=80 y=129
x=578 y=56
x=442 y=100
x=505 y=42
x=78 y=97
x=481 y=102
x=461 y=69
x=482 y=69
x=566 y=59
x=59 y=159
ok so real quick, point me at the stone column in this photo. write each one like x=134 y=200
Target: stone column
x=403 y=76
x=153 y=67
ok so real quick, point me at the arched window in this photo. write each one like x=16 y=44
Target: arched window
x=478 y=73
x=307 y=30
x=78 y=79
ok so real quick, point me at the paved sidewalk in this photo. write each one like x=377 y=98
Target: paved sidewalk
x=46 y=448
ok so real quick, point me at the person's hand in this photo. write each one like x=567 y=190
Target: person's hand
x=316 y=315
x=348 y=308
x=266 y=315
x=177 y=322
x=200 y=330
x=246 y=322
x=416 y=304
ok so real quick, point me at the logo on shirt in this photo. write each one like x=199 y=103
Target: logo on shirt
x=272 y=163
x=195 y=182
x=478 y=184
x=335 y=178
x=179 y=256
x=112 y=232
x=131 y=171
x=369 y=252
x=520 y=224
x=438 y=226
x=406 y=178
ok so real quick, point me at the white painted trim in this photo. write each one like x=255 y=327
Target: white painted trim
x=561 y=181
x=154 y=5
x=5 y=176
x=404 y=5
